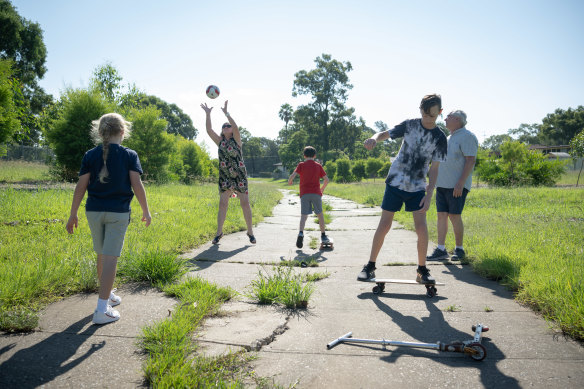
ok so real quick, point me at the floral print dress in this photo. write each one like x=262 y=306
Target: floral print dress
x=232 y=171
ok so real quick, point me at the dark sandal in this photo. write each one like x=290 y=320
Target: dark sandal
x=217 y=238
x=252 y=239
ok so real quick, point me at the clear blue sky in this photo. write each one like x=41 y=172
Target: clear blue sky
x=503 y=62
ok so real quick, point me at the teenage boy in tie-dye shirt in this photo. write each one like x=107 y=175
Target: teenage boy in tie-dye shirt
x=423 y=147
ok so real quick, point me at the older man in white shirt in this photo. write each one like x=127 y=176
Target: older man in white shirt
x=453 y=184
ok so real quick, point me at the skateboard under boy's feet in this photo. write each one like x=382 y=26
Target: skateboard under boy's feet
x=326 y=244
x=431 y=290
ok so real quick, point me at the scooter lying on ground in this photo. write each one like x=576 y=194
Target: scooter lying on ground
x=472 y=348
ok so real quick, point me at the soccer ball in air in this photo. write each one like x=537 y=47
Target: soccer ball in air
x=212 y=91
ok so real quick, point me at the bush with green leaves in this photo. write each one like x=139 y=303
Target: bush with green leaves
x=358 y=170
x=152 y=143
x=382 y=172
x=372 y=166
x=343 y=173
x=519 y=166
x=330 y=169
x=69 y=135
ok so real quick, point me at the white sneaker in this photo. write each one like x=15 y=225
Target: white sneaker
x=113 y=299
x=105 y=317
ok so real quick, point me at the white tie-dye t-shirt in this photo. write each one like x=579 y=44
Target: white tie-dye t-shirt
x=419 y=147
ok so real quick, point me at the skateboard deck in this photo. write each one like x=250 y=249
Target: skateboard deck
x=431 y=290
x=327 y=245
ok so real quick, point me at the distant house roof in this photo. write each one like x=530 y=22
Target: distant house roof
x=543 y=147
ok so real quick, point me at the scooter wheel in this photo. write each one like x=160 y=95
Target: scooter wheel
x=476 y=351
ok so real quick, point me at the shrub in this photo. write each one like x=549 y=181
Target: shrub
x=372 y=166
x=343 y=173
x=358 y=170
x=153 y=145
x=69 y=136
x=382 y=172
x=520 y=166
x=331 y=169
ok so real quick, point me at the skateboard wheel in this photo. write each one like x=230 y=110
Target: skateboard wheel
x=377 y=289
x=430 y=291
x=476 y=351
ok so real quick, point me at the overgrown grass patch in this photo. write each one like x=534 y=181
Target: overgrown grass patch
x=173 y=361
x=282 y=286
x=530 y=239
x=22 y=171
x=40 y=262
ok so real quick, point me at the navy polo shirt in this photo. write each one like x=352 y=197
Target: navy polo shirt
x=115 y=195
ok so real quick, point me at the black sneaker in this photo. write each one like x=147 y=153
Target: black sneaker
x=424 y=276
x=367 y=273
x=459 y=255
x=324 y=238
x=299 y=241
x=437 y=255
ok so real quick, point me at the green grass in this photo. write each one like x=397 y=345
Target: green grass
x=283 y=286
x=172 y=357
x=530 y=239
x=570 y=178
x=40 y=262
x=21 y=171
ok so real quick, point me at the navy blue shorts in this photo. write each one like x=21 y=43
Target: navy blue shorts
x=395 y=197
x=446 y=202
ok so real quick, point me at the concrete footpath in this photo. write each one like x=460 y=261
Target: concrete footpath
x=522 y=351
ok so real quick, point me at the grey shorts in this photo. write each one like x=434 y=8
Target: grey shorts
x=108 y=230
x=309 y=201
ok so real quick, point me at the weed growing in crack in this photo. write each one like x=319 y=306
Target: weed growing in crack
x=283 y=286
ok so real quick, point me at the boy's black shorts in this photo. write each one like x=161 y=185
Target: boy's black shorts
x=394 y=198
x=446 y=202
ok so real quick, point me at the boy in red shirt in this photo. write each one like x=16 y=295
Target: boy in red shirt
x=310 y=173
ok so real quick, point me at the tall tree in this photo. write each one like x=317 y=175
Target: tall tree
x=494 y=142
x=9 y=122
x=22 y=42
x=326 y=117
x=560 y=127
x=527 y=133
x=285 y=113
x=108 y=81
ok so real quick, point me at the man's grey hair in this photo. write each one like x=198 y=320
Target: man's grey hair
x=461 y=115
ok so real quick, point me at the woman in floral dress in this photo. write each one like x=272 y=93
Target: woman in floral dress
x=232 y=172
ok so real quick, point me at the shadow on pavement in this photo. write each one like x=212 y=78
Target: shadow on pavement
x=213 y=254
x=43 y=362
x=466 y=274
x=434 y=328
x=303 y=257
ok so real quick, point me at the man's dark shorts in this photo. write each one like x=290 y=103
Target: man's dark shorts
x=446 y=202
x=394 y=198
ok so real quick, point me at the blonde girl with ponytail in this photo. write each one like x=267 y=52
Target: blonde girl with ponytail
x=110 y=173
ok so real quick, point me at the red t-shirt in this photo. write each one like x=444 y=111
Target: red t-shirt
x=310 y=174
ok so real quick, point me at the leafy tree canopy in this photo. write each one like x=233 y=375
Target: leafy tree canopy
x=560 y=127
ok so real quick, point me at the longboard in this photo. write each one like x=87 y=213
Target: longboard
x=327 y=245
x=431 y=290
